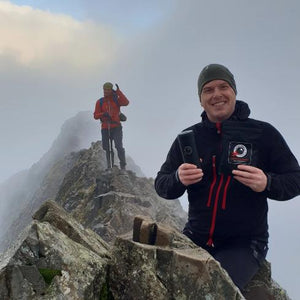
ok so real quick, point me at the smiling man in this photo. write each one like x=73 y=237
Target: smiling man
x=243 y=162
x=218 y=100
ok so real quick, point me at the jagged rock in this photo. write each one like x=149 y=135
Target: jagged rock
x=55 y=243
x=146 y=231
x=173 y=268
x=52 y=213
x=59 y=259
x=23 y=193
x=107 y=202
x=263 y=287
x=81 y=185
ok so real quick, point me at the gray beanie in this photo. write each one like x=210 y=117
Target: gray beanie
x=214 y=72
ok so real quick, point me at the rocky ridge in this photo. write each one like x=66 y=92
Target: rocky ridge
x=81 y=245
x=58 y=258
x=22 y=194
x=107 y=202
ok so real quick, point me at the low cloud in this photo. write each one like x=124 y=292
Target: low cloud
x=38 y=39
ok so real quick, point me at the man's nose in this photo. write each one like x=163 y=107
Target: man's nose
x=217 y=93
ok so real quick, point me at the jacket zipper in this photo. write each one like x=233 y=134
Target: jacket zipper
x=210 y=242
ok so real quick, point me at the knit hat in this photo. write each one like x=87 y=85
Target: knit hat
x=215 y=72
x=108 y=85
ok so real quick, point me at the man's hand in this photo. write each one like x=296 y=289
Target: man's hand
x=105 y=116
x=189 y=174
x=252 y=177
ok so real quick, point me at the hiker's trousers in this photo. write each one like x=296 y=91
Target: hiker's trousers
x=116 y=135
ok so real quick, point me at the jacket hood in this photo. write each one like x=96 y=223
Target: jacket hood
x=241 y=112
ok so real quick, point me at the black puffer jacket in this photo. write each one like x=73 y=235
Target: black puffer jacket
x=220 y=208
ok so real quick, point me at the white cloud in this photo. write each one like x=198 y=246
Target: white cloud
x=39 y=39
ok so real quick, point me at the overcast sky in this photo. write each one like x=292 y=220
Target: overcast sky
x=55 y=56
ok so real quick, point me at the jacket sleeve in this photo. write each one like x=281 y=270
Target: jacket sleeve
x=167 y=185
x=122 y=100
x=284 y=171
x=97 y=113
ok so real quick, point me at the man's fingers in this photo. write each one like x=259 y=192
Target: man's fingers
x=187 y=166
x=242 y=174
x=189 y=174
x=243 y=180
x=247 y=168
x=252 y=177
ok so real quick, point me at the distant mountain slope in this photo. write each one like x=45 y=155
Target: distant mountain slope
x=76 y=177
x=21 y=191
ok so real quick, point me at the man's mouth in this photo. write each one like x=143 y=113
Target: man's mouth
x=219 y=103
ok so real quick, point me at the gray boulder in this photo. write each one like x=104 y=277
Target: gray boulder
x=140 y=271
x=56 y=259
x=162 y=263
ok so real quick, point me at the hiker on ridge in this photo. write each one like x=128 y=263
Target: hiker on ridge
x=107 y=109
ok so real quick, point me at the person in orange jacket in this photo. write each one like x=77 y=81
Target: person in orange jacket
x=107 y=109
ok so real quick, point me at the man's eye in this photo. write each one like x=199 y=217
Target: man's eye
x=224 y=87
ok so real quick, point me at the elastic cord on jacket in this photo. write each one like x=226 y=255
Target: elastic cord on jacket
x=225 y=192
x=213 y=182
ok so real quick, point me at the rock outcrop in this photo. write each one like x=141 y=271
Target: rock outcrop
x=261 y=287
x=89 y=243
x=23 y=193
x=107 y=202
x=60 y=259
x=56 y=259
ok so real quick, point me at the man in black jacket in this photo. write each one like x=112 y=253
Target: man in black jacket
x=243 y=162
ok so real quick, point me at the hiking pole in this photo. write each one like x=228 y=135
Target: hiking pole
x=110 y=147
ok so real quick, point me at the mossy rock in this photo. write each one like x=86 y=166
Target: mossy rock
x=49 y=274
x=105 y=293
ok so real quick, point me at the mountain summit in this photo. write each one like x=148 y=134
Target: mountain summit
x=103 y=234
x=22 y=194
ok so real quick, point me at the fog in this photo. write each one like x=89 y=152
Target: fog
x=53 y=62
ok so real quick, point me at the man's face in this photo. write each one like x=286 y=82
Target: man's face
x=218 y=100
x=107 y=92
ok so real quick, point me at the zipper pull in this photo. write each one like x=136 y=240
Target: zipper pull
x=218 y=126
x=210 y=243
x=214 y=162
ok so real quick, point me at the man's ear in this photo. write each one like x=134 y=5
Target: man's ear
x=200 y=99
